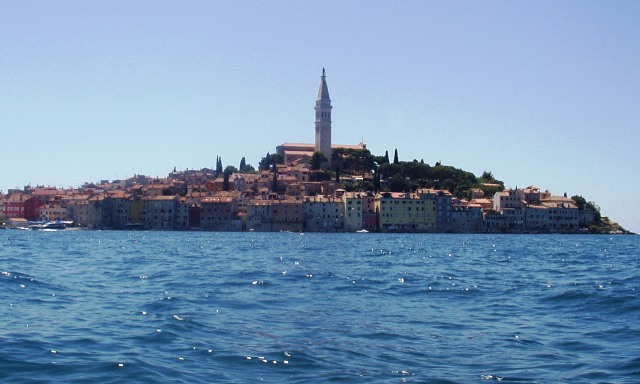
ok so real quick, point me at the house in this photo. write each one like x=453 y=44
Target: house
x=218 y=213
x=324 y=214
x=353 y=211
x=160 y=212
x=405 y=212
x=53 y=211
x=259 y=215
x=563 y=213
x=442 y=206
x=14 y=205
x=16 y=222
x=287 y=215
x=77 y=209
x=466 y=218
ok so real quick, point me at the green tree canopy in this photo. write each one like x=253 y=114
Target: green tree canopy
x=317 y=159
x=269 y=160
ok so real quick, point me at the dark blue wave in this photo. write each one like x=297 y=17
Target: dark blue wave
x=113 y=307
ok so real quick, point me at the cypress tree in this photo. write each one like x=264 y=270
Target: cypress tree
x=219 y=166
x=395 y=157
x=225 y=182
x=274 y=185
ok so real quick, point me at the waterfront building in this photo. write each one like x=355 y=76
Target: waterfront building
x=442 y=206
x=219 y=213
x=98 y=207
x=77 y=209
x=14 y=205
x=466 y=218
x=3 y=202
x=405 y=212
x=563 y=213
x=287 y=215
x=53 y=211
x=119 y=210
x=159 y=212
x=353 y=211
x=511 y=198
x=32 y=207
x=136 y=211
x=324 y=214
x=183 y=204
x=259 y=215
x=537 y=218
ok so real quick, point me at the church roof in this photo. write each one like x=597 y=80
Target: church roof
x=312 y=147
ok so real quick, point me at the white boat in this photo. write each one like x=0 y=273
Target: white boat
x=49 y=225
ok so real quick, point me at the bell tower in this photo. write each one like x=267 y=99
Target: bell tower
x=323 y=119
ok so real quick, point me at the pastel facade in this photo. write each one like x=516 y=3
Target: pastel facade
x=467 y=218
x=442 y=206
x=324 y=214
x=159 y=212
x=259 y=215
x=55 y=211
x=219 y=214
x=287 y=215
x=353 y=211
x=405 y=212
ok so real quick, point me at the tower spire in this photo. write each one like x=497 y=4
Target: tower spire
x=323 y=92
x=323 y=118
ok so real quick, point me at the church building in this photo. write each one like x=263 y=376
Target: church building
x=293 y=153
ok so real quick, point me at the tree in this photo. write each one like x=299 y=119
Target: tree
x=225 y=181
x=395 y=156
x=386 y=157
x=264 y=163
x=218 y=166
x=274 y=183
x=488 y=176
x=580 y=201
x=584 y=205
x=243 y=164
x=316 y=160
x=399 y=184
x=376 y=180
x=270 y=160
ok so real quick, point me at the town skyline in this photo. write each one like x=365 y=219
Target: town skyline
x=537 y=93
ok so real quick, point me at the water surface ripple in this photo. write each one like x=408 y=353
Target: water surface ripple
x=156 y=307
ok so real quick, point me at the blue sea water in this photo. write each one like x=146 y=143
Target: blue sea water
x=157 y=307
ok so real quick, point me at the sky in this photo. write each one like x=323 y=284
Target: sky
x=543 y=93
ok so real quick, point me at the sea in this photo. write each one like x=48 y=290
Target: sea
x=80 y=306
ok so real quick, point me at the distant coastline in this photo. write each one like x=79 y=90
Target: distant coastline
x=311 y=187
x=282 y=199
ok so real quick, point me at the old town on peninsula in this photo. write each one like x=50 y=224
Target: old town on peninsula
x=320 y=187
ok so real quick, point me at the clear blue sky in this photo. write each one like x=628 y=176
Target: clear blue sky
x=543 y=93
